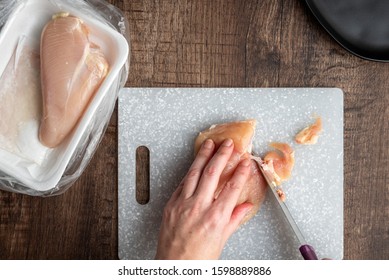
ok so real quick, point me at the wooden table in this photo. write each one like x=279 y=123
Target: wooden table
x=216 y=43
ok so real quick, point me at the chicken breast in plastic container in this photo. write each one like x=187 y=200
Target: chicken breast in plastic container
x=83 y=64
x=72 y=69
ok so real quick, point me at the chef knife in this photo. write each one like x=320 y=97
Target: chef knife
x=306 y=250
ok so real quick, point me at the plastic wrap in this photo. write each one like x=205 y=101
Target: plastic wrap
x=27 y=166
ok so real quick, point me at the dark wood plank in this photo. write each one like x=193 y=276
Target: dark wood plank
x=142 y=175
x=219 y=43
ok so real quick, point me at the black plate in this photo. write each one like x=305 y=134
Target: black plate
x=360 y=26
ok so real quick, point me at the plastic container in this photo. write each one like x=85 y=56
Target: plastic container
x=43 y=171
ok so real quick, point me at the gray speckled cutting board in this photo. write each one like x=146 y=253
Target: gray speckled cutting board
x=167 y=122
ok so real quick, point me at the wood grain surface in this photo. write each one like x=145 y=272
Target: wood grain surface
x=216 y=43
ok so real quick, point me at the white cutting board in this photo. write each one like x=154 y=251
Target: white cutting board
x=167 y=122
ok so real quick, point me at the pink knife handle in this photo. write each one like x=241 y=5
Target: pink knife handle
x=308 y=252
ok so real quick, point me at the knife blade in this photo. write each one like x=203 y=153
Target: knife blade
x=306 y=250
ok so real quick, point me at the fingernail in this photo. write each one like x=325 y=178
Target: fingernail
x=208 y=143
x=227 y=143
x=245 y=162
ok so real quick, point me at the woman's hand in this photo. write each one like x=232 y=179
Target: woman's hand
x=194 y=224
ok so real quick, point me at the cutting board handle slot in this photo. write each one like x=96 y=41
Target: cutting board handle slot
x=142 y=175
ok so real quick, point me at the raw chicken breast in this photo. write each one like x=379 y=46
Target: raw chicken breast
x=310 y=134
x=241 y=133
x=281 y=161
x=72 y=69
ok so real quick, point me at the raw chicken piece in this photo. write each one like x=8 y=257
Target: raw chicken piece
x=277 y=165
x=310 y=134
x=72 y=69
x=281 y=161
x=241 y=133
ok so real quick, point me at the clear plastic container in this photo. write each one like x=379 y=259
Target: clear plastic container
x=26 y=166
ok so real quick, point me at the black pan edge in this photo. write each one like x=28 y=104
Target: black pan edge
x=364 y=52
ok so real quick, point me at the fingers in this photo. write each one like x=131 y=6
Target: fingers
x=229 y=196
x=231 y=191
x=190 y=181
x=237 y=216
x=211 y=174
